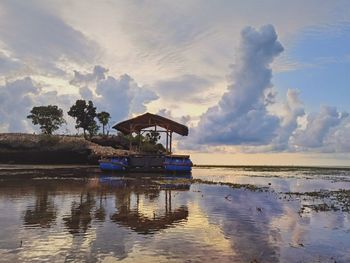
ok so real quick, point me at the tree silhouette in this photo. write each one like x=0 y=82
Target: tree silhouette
x=84 y=114
x=103 y=117
x=152 y=137
x=50 y=118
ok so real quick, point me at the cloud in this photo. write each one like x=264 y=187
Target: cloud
x=243 y=121
x=39 y=38
x=338 y=138
x=191 y=88
x=121 y=97
x=327 y=124
x=241 y=116
x=145 y=40
x=292 y=110
x=17 y=99
x=98 y=73
x=185 y=120
x=8 y=64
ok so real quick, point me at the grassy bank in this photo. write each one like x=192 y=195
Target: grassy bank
x=20 y=148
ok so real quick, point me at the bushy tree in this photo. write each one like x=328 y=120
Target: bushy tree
x=50 y=118
x=84 y=114
x=103 y=117
x=152 y=137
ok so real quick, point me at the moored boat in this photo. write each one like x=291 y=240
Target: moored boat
x=114 y=164
x=178 y=163
x=160 y=163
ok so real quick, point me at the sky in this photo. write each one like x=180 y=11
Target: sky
x=257 y=82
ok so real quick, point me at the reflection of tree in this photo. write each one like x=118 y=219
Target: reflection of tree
x=100 y=213
x=140 y=223
x=80 y=218
x=44 y=212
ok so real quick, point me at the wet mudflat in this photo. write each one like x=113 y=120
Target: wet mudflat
x=74 y=214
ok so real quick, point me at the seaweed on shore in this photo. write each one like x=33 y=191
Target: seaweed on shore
x=250 y=187
x=323 y=200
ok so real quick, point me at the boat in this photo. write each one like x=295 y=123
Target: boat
x=114 y=164
x=178 y=163
x=147 y=163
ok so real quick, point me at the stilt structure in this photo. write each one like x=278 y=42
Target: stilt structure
x=143 y=123
x=167 y=162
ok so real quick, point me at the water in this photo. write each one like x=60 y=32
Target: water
x=54 y=215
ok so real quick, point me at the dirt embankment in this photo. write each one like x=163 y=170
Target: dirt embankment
x=22 y=148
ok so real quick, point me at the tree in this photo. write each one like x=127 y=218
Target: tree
x=152 y=137
x=103 y=117
x=84 y=114
x=50 y=118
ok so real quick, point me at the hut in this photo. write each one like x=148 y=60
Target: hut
x=149 y=122
x=148 y=163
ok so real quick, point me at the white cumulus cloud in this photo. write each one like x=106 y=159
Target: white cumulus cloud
x=241 y=116
x=121 y=97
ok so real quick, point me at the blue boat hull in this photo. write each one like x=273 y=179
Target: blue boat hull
x=180 y=164
x=114 y=164
x=177 y=168
x=172 y=164
x=105 y=166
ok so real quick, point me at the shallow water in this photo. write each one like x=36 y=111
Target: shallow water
x=148 y=218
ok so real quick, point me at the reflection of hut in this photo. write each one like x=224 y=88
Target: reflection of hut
x=80 y=218
x=143 y=123
x=134 y=218
x=144 y=225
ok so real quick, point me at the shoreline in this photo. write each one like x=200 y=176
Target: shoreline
x=22 y=166
x=272 y=166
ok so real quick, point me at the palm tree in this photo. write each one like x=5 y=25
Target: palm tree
x=103 y=117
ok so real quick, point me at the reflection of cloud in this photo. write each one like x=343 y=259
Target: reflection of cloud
x=293 y=229
x=239 y=219
x=206 y=232
x=137 y=253
x=216 y=230
x=53 y=247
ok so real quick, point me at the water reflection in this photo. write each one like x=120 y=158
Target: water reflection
x=139 y=222
x=160 y=219
x=80 y=218
x=128 y=192
x=130 y=214
x=43 y=213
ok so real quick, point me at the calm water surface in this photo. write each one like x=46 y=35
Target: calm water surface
x=55 y=216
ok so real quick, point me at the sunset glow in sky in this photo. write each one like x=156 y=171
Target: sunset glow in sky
x=257 y=82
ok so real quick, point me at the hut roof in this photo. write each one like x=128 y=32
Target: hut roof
x=150 y=120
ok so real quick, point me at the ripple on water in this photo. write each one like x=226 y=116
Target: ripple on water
x=108 y=219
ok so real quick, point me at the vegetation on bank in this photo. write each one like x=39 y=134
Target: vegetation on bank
x=51 y=148
x=50 y=118
x=43 y=148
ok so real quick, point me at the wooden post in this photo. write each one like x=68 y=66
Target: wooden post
x=139 y=134
x=166 y=144
x=169 y=201
x=171 y=141
x=130 y=138
x=166 y=201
